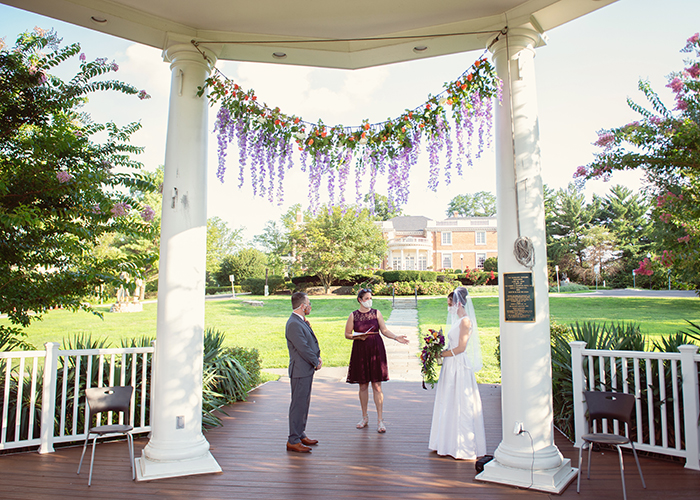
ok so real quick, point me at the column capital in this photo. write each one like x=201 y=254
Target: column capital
x=178 y=49
x=515 y=40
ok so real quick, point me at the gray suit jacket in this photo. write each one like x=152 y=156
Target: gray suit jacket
x=303 y=348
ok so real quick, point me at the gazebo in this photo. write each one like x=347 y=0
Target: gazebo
x=347 y=35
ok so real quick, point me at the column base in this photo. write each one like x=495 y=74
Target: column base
x=148 y=470
x=548 y=480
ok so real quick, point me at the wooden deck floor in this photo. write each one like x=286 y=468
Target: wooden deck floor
x=348 y=463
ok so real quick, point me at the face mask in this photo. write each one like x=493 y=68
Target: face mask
x=367 y=303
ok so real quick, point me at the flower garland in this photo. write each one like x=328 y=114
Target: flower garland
x=430 y=356
x=267 y=137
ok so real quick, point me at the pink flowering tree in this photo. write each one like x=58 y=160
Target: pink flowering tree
x=665 y=144
x=61 y=187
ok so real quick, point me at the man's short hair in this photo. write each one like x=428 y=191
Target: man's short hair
x=298 y=298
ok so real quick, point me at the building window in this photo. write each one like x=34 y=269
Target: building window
x=447 y=260
x=396 y=263
x=422 y=262
x=480 y=258
x=481 y=237
x=410 y=262
x=446 y=238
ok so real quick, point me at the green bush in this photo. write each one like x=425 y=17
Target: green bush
x=250 y=359
x=405 y=275
x=307 y=280
x=213 y=290
x=408 y=288
x=256 y=286
x=491 y=264
x=569 y=287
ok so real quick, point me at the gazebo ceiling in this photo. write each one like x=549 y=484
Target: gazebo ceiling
x=346 y=34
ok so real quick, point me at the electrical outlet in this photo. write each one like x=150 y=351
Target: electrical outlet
x=180 y=422
x=518 y=428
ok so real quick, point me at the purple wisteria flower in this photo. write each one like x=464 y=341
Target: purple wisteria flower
x=143 y=95
x=64 y=176
x=120 y=209
x=82 y=56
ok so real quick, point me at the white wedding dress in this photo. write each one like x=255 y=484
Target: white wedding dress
x=458 y=422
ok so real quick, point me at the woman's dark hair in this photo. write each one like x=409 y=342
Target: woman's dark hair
x=362 y=292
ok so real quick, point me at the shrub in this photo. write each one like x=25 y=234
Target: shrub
x=569 y=287
x=408 y=288
x=306 y=280
x=256 y=286
x=491 y=264
x=250 y=359
x=613 y=336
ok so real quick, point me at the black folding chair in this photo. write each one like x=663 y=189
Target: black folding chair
x=612 y=406
x=103 y=399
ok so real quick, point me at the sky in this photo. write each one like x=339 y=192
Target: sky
x=584 y=75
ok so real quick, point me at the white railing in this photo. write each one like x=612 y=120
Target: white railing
x=666 y=389
x=58 y=414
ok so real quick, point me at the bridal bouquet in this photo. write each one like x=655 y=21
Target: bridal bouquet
x=430 y=356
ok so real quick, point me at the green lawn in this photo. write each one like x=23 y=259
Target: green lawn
x=263 y=327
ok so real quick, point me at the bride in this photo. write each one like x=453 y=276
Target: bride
x=458 y=423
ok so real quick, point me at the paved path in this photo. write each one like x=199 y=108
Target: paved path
x=402 y=359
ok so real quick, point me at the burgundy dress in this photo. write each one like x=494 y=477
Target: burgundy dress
x=368 y=358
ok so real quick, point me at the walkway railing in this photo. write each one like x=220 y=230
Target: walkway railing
x=43 y=392
x=666 y=387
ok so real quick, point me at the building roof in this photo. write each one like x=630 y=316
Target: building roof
x=409 y=223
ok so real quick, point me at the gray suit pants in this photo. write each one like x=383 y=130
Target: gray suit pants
x=299 y=407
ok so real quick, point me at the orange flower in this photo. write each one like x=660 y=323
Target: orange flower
x=469 y=77
x=323 y=134
x=464 y=86
x=296 y=120
x=311 y=141
x=255 y=98
x=366 y=126
x=449 y=101
x=351 y=138
x=421 y=125
x=363 y=135
x=477 y=63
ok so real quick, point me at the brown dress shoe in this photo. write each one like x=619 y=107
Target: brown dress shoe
x=309 y=442
x=299 y=448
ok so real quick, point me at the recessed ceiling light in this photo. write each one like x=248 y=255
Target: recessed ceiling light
x=279 y=55
x=420 y=48
x=98 y=20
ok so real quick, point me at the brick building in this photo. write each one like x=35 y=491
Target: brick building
x=420 y=243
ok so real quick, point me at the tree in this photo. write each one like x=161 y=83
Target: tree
x=336 y=242
x=221 y=241
x=567 y=217
x=245 y=263
x=481 y=204
x=379 y=205
x=665 y=144
x=61 y=189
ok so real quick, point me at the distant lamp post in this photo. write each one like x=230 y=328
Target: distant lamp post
x=556 y=268
x=461 y=261
x=232 y=279
x=634 y=278
x=669 y=279
x=266 y=288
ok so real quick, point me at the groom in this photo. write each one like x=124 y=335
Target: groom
x=304 y=359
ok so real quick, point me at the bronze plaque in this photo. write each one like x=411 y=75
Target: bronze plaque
x=519 y=297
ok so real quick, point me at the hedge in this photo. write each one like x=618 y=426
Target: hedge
x=409 y=287
x=256 y=286
x=408 y=276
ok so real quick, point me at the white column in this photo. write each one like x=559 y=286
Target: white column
x=403 y=263
x=177 y=446
x=529 y=459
